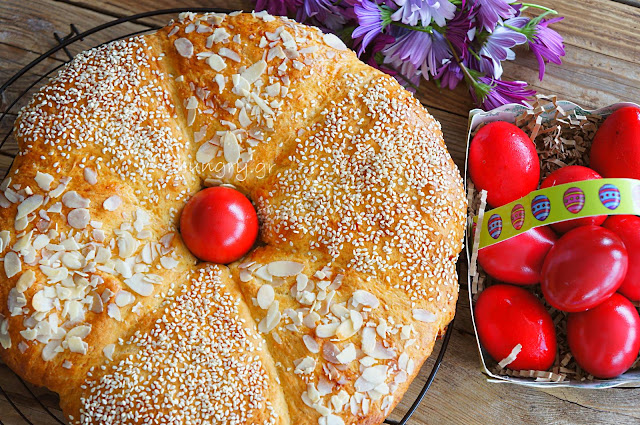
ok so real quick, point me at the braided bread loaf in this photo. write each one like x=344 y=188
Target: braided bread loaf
x=326 y=321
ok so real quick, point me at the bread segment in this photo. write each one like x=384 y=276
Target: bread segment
x=326 y=321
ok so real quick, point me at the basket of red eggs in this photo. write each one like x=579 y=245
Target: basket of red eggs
x=554 y=243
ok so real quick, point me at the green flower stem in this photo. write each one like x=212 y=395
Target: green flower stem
x=537 y=6
x=470 y=80
x=428 y=29
x=511 y=27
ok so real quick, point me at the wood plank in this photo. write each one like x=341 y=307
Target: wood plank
x=119 y=8
x=12 y=59
x=30 y=25
x=602 y=26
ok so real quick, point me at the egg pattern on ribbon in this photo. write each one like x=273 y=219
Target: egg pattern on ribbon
x=517 y=216
x=609 y=196
x=541 y=207
x=573 y=200
x=494 y=226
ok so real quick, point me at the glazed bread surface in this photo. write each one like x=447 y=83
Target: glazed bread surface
x=326 y=321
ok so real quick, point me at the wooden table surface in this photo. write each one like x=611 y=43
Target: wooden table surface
x=602 y=66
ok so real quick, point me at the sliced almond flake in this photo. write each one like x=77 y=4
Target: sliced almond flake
x=265 y=296
x=228 y=53
x=511 y=357
x=305 y=365
x=97 y=306
x=124 y=298
x=255 y=71
x=24 y=243
x=168 y=263
x=112 y=203
x=287 y=40
x=375 y=374
x=271 y=320
x=108 y=351
x=4 y=202
x=263 y=273
x=203 y=29
x=138 y=285
x=29 y=205
x=12 y=264
x=327 y=331
x=308 y=50
x=216 y=62
x=206 y=152
x=367 y=299
x=333 y=41
x=192 y=103
x=76 y=345
x=174 y=30
x=51 y=350
x=114 y=312
x=345 y=330
x=40 y=302
x=78 y=218
x=311 y=344
x=142 y=220
x=219 y=79
x=216 y=18
x=285 y=268
x=191 y=117
x=27 y=279
x=72 y=199
x=55 y=208
x=184 y=47
x=44 y=181
x=21 y=224
x=199 y=135
x=5 y=238
x=347 y=355
x=425 y=316
x=219 y=34
x=243 y=118
x=60 y=188
x=231 y=148
x=80 y=331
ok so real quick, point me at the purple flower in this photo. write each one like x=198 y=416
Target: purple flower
x=411 y=11
x=278 y=7
x=370 y=23
x=491 y=12
x=485 y=65
x=461 y=29
x=492 y=93
x=409 y=47
x=547 y=45
x=450 y=75
x=377 y=45
x=497 y=48
x=438 y=53
x=324 y=11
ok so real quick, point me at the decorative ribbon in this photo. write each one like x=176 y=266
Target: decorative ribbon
x=559 y=203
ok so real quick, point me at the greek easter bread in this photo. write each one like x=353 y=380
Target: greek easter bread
x=327 y=320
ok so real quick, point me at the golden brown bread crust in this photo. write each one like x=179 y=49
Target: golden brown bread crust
x=361 y=207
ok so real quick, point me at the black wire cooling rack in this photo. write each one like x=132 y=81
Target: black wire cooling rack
x=42 y=401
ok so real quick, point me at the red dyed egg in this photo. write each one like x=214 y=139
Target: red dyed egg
x=615 y=151
x=219 y=224
x=507 y=316
x=519 y=259
x=583 y=268
x=504 y=162
x=572 y=173
x=606 y=339
x=627 y=227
